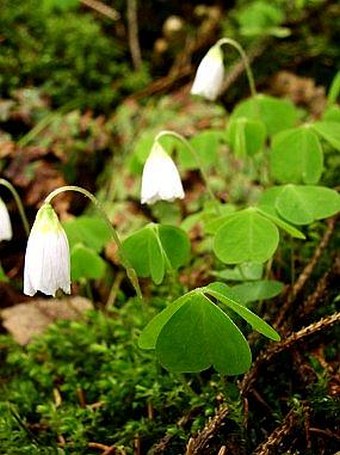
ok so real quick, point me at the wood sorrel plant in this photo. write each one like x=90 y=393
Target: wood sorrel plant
x=196 y=331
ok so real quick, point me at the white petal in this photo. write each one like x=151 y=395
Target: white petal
x=160 y=180
x=5 y=223
x=47 y=260
x=210 y=75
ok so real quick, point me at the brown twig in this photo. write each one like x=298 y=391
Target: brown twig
x=305 y=275
x=270 y=445
x=285 y=344
x=106 y=450
x=101 y=8
x=199 y=444
x=310 y=304
x=134 y=46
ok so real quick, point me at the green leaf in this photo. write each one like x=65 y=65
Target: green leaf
x=155 y=257
x=206 y=144
x=257 y=290
x=198 y=335
x=262 y=18
x=245 y=136
x=334 y=90
x=156 y=248
x=296 y=156
x=214 y=222
x=276 y=114
x=329 y=131
x=272 y=215
x=175 y=244
x=246 y=236
x=148 y=337
x=86 y=263
x=305 y=204
x=91 y=231
x=242 y=272
x=332 y=114
x=224 y=294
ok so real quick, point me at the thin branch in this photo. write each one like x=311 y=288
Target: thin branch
x=285 y=344
x=273 y=441
x=305 y=274
x=198 y=444
x=101 y=8
x=132 y=19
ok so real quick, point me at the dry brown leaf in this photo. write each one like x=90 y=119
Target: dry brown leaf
x=26 y=320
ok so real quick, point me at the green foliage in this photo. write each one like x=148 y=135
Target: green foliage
x=193 y=333
x=262 y=18
x=245 y=136
x=246 y=236
x=276 y=114
x=87 y=237
x=297 y=156
x=98 y=359
x=252 y=291
x=302 y=204
x=155 y=249
x=72 y=383
x=71 y=57
x=330 y=131
x=206 y=144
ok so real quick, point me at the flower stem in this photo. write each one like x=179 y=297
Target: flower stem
x=130 y=271
x=20 y=206
x=244 y=57
x=198 y=161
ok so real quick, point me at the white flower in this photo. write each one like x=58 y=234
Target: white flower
x=160 y=180
x=47 y=260
x=5 y=222
x=210 y=74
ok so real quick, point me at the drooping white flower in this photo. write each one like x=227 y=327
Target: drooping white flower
x=47 y=260
x=160 y=180
x=5 y=222
x=210 y=74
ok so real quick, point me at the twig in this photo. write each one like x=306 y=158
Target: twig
x=101 y=8
x=199 y=444
x=285 y=344
x=269 y=447
x=305 y=275
x=313 y=299
x=133 y=34
x=326 y=432
x=107 y=450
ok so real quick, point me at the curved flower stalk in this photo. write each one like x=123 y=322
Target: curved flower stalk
x=63 y=263
x=193 y=154
x=210 y=74
x=47 y=260
x=209 y=77
x=160 y=180
x=5 y=222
